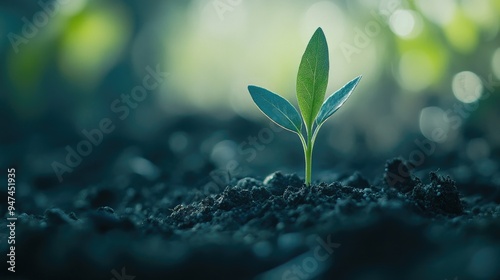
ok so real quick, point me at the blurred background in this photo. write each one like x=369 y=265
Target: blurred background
x=430 y=74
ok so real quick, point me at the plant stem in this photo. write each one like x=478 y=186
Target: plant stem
x=308 y=158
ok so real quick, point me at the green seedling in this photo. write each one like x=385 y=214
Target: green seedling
x=312 y=80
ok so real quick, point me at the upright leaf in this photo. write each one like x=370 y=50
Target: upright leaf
x=335 y=101
x=312 y=78
x=276 y=108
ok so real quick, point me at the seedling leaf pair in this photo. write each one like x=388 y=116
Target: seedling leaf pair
x=277 y=108
x=336 y=100
x=312 y=81
x=312 y=78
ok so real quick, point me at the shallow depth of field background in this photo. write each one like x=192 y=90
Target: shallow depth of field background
x=426 y=65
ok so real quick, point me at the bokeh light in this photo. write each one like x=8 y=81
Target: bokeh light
x=433 y=124
x=495 y=63
x=406 y=23
x=462 y=33
x=104 y=29
x=467 y=87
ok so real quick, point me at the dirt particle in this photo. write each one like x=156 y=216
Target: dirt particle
x=398 y=175
x=439 y=196
x=277 y=183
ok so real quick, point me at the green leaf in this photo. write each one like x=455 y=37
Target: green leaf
x=277 y=108
x=335 y=101
x=312 y=77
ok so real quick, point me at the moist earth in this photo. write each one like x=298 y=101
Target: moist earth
x=391 y=227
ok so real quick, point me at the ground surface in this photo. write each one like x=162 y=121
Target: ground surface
x=160 y=223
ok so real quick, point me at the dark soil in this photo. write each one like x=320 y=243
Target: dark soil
x=390 y=227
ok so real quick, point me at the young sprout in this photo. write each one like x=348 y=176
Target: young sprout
x=312 y=80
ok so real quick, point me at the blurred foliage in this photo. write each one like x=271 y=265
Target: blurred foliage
x=83 y=54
